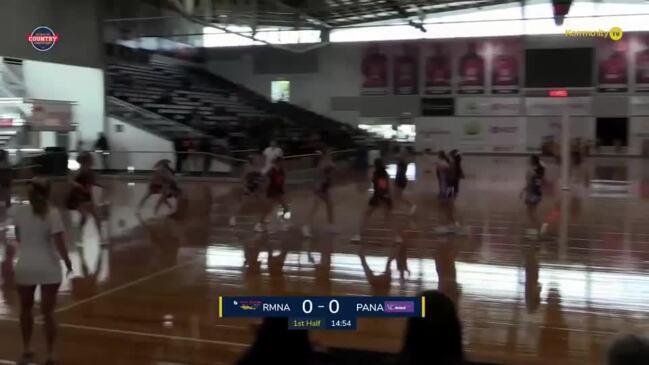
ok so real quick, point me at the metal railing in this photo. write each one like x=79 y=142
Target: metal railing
x=32 y=162
x=139 y=116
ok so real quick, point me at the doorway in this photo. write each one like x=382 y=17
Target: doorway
x=612 y=132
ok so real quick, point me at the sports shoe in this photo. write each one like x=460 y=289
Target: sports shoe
x=233 y=221
x=355 y=238
x=306 y=231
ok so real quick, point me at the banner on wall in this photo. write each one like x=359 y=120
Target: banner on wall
x=374 y=67
x=555 y=106
x=506 y=134
x=438 y=69
x=639 y=105
x=613 y=65
x=541 y=130
x=436 y=133
x=471 y=69
x=484 y=106
x=406 y=69
x=437 y=106
x=642 y=64
x=505 y=70
x=473 y=134
x=48 y=116
x=639 y=136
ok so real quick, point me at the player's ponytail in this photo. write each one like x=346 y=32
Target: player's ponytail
x=39 y=195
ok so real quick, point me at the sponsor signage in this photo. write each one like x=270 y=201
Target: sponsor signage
x=437 y=106
x=48 y=116
x=43 y=38
x=488 y=106
x=557 y=106
x=506 y=134
x=639 y=105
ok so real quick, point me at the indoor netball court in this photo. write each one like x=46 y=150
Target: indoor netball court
x=150 y=294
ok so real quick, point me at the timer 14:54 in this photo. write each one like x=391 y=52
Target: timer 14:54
x=340 y=323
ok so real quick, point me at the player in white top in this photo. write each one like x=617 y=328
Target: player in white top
x=41 y=247
x=272 y=152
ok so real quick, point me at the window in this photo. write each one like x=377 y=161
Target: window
x=280 y=90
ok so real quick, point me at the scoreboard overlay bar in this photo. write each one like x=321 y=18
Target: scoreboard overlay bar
x=343 y=307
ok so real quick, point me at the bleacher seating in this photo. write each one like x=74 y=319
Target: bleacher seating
x=219 y=107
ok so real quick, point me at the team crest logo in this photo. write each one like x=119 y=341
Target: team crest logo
x=43 y=38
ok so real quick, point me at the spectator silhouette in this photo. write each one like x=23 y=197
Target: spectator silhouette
x=629 y=350
x=436 y=339
x=103 y=147
x=276 y=344
x=180 y=149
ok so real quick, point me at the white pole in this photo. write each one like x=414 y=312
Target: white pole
x=563 y=224
x=565 y=148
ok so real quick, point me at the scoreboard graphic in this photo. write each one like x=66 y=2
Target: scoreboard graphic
x=326 y=313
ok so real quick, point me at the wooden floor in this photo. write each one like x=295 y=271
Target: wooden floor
x=150 y=296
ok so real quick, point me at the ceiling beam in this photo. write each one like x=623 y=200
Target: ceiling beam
x=449 y=7
x=178 y=7
x=394 y=4
x=308 y=17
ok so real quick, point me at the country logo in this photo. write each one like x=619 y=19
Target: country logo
x=43 y=38
x=399 y=307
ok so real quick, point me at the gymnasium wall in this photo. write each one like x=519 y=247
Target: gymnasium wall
x=125 y=138
x=339 y=88
x=334 y=73
x=141 y=149
x=83 y=86
x=75 y=21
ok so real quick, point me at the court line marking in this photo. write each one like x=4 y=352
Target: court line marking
x=154 y=335
x=8 y=362
x=126 y=285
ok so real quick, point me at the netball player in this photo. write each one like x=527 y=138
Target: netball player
x=6 y=178
x=381 y=198
x=401 y=181
x=445 y=176
x=321 y=192
x=41 y=246
x=456 y=174
x=458 y=171
x=274 y=193
x=80 y=197
x=532 y=193
x=400 y=255
x=251 y=180
x=163 y=182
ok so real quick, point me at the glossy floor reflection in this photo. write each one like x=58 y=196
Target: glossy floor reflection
x=150 y=296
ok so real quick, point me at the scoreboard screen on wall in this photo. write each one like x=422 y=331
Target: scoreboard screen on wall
x=326 y=313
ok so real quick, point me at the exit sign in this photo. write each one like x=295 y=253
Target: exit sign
x=560 y=93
